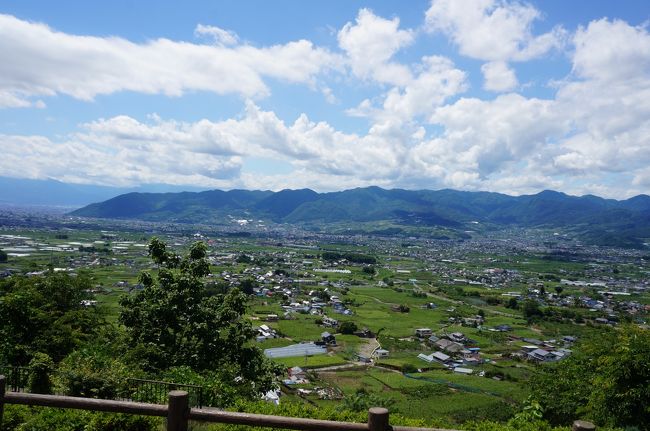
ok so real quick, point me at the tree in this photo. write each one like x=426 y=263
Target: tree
x=248 y=285
x=243 y=258
x=531 y=310
x=361 y=400
x=95 y=370
x=606 y=379
x=40 y=368
x=403 y=308
x=558 y=289
x=174 y=321
x=46 y=315
x=348 y=327
x=370 y=270
x=3 y=256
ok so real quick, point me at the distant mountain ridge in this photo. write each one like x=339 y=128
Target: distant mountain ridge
x=21 y=191
x=623 y=222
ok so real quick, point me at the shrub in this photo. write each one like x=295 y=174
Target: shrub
x=40 y=368
x=409 y=368
x=348 y=327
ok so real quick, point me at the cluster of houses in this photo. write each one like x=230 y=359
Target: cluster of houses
x=539 y=351
x=264 y=332
x=453 y=350
x=314 y=305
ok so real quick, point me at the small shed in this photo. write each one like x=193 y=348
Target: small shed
x=381 y=353
x=328 y=338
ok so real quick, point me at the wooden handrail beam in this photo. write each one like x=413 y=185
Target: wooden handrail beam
x=92 y=404
x=251 y=419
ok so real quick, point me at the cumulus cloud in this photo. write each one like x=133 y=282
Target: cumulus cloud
x=484 y=138
x=498 y=76
x=45 y=62
x=609 y=101
x=219 y=35
x=497 y=31
x=492 y=30
x=123 y=150
x=370 y=43
x=415 y=90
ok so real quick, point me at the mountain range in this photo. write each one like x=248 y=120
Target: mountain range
x=597 y=220
x=21 y=191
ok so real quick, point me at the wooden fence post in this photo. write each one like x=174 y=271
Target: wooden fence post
x=583 y=426
x=3 y=381
x=178 y=411
x=378 y=419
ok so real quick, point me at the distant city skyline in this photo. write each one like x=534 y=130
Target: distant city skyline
x=504 y=96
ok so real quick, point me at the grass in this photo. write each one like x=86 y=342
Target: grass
x=316 y=361
x=419 y=398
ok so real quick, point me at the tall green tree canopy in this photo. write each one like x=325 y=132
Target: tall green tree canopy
x=607 y=379
x=44 y=314
x=174 y=321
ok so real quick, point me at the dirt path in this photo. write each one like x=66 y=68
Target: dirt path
x=366 y=349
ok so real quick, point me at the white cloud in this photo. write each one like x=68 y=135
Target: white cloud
x=483 y=139
x=16 y=100
x=434 y=81
x=498 y=76
x=370 y=44
x=416 y=90
x=45 y=62
x=219 y=35
x=497 y=31
x=437 y=81
x=611 y=51
x=609 y=102
x=492 y=30
x=122 y=150
x=596 y=125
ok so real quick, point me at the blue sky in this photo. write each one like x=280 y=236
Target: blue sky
x=496 y=95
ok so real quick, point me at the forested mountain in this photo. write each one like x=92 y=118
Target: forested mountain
x=624 y=222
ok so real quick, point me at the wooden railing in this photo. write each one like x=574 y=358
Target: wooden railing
x=178 y=413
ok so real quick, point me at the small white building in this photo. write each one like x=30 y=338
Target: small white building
x=381 y=353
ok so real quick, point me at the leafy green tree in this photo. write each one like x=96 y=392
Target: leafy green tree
x=243 y=258
x=215 y=288
x=44 y=314
x=173 y=321
x=362 y=400
x=606 y=379
x=620 y=394
x=247 y=285
x=348 y=327
x=40 y=368
x=94 y=371
x=531 y=310
x=3 y=256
